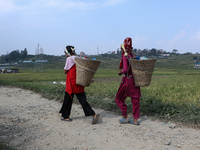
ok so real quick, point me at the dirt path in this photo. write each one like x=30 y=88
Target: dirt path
x=30 y=122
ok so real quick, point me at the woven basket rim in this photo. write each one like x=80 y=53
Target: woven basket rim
x=142 y=71
x=85 y=67
x=85 y=70
x=87 y=59
x=143 y=59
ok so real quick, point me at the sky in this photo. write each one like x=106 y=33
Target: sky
x=99 y=26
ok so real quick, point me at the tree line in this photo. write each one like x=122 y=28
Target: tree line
x=14 y=55
x=139 y=52
x=17 y=55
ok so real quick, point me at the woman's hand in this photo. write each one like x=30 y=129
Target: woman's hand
x=120 y=73
x=65 y=71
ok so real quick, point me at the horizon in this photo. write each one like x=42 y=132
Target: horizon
x=164 y=52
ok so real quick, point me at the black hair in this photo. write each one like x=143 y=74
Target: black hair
x=70 y=49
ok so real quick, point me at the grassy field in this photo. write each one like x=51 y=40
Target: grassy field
x=172 y=95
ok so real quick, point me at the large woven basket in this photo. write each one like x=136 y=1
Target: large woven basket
x=85 y=70
x=142 y=71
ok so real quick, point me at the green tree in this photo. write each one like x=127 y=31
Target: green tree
x=118 y=51
x=153 y=51
x=23 y=53
x=13 y=55
x=174 y=51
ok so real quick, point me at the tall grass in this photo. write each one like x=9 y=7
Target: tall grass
x=175 y=89
x=171 y=97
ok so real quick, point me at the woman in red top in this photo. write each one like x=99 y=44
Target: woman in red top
x=127 y=87
x=73 y=88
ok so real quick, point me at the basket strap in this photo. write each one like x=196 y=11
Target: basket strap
x=82 y=66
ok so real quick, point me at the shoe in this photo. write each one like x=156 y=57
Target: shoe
x=95 y=120
x=131 y=122
x=64 y=119
x=122 y=120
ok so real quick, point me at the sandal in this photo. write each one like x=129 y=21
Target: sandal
x=131 y=122
x=95 y=120
x=122 y=120
x=68 y=119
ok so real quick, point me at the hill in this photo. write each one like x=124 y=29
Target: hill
x=174 y=61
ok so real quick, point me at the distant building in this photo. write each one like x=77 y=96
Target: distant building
x=197 y=65
x=111 y=52
x=39 y=61
x=27 y=61
x=165 y=55
x=6 y=64
x=15 y=63
x=13 y=70
x=4 y=69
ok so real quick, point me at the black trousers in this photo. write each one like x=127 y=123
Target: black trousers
x=67 y=105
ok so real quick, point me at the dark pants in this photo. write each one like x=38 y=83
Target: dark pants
x=67 y=105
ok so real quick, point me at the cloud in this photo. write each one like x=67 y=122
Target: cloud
x=138 y=40
x=160 y=43
x=179 y=37
x=195 y=37
x=175 y=43
x=58 y=5
x=6 y=6
x=71 y=4
x=64 y=5
x=185 y=43
x=111 y=2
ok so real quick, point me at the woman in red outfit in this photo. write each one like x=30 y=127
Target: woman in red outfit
x=127 y=87
x=73 y=88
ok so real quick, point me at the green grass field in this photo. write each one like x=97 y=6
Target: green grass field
x=172 y=95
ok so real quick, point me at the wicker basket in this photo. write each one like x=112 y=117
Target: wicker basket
x=85 y=70
x=142 y=71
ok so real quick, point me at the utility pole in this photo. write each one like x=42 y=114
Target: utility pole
x=97 y=50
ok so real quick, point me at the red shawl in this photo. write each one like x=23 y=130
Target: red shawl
x=128 y=47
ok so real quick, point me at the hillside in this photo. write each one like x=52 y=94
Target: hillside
x=175 y=61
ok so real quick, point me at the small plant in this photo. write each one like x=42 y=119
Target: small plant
x=4 y=147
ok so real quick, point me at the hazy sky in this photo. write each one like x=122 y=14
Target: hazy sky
x=88 y=24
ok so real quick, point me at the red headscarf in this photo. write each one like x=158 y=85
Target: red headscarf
x=128 y=47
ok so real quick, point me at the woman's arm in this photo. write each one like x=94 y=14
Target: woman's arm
x=125 y=64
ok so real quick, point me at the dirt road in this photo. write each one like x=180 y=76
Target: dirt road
x=30 y=122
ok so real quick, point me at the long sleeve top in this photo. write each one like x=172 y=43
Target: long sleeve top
x=127 y=86
x=71 y=86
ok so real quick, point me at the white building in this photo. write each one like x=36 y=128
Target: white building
x=38 y=61
x=197 y=65
x=165 y=55
x=27 y=61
